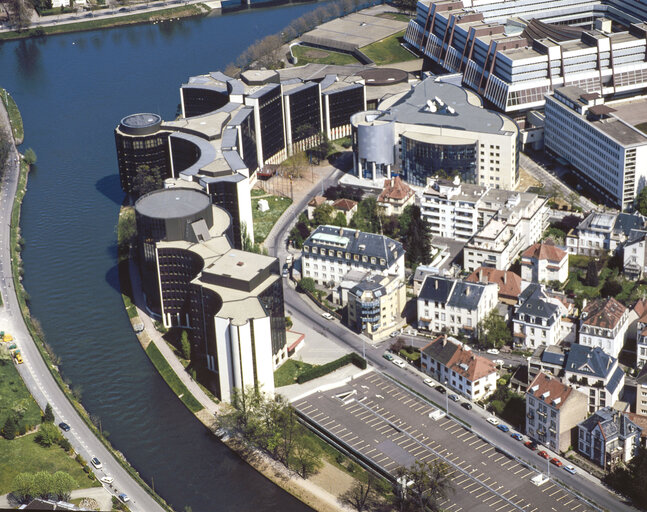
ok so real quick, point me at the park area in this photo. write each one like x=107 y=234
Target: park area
x=265 y=220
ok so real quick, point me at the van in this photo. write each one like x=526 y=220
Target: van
x=288 y=259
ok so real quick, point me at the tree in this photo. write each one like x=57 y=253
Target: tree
x=48 y=415
x=186 y=345
x=630 y=479
x=611 y=288
x=19 y=13
x=641 y=201
x=307 y=284
x=126 y=228
x=22 y=486
x=322 y=215
x=339 y=220
x=361 y=496
x=493 y=331
x=10 y=428
x=30 y=157
x=367 y=217
x=307 y=455
x=592 y=274
x=43 y=485
x=288 y=322
x=417 y=239
x=429 y=486
x=62 y=485
x=147 y=179
x=47 y=435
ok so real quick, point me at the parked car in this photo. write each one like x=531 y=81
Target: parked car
x=327 y=315
x=107 y=479
x=429 y=382
x=493 y=351
x=530 y=444
x=441 y=389
x=503 y=428
x=19 y=358
x=570 y=469
x=467 y=406
x=492 y=420
x=96 y=463
x=64 y=426
x=498 y=362
x=517 y=436
x=557 y=462
x=286 y=270
x=124 y=497
x=399 y=363
x=387 y=356
x=453 y=398
x=544 y=454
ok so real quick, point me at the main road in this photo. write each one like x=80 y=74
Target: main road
x=305 y=312
x=34 y=371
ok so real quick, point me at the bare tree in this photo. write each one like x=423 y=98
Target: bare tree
x=361 y=496
x=19 y=13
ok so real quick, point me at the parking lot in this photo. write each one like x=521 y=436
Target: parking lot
x=391 y=427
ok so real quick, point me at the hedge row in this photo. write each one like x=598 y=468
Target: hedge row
x=325 y=369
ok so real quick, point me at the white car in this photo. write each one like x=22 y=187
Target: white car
x=429 y=382
x=107 y=479
x=493 y=351
x=399 y=362
x=492 y=420
x=498 y=362
x=96 y=463
x=327 y=315
x=570 y=469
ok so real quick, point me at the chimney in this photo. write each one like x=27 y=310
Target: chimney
x=444 y=340
x=341 y=231
x=357 y=233
x=436 y=284
x=505 y=277
x=480 y=275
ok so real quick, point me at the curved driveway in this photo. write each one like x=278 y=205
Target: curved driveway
x=34 y=371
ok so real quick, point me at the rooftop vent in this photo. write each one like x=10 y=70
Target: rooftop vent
x=545 y=394
x=464 y=366
x=240 y=263
x=557 y=401
x=534 y=388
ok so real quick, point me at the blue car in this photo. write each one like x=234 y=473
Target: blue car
x=503 y=427
x=516 y=435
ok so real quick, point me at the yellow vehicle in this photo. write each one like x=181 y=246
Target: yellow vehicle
x=18 y=358
x=7 y=337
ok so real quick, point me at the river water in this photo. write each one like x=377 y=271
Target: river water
x=72 y=91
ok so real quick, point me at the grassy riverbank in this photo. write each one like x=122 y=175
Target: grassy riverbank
x=14 y=116
x=114 y=21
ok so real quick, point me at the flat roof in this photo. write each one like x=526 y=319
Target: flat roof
x=172 y=203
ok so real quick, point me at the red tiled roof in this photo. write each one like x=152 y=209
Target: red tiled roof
x=640 y=420
x=604 y=313
x=509 y=283
x=552 y=386
x=316 y=201
x=395 y=190
x=544 y=251
x=344 y=204
x=450 y=354
x=641 y=310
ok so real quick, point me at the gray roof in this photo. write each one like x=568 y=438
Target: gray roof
x=553 y=354
x=627 y=222
x=240 y=116
x=264 y=90
x=436 y=288
x=172 y=203
x=454 y=293
x=612 y=423
x=615 y=379
x=207 y=152
x=466 y=295
x=442 y=349
x=589 y=361
x=233 y=159
x=356 y=242
x=536 y=306
x=412 y=109
x=229 y=138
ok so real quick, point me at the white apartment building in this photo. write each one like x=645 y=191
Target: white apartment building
x=542 y=263
x=641 y=392
x=607 y=150
x=454 y=305
x=451 y=362
x=634 y=256
x=604 y=324
x=603 y=233
x=537 y=319
x=330 y=252
x=594 y=373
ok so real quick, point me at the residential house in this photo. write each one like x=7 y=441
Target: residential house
x=594 y=373
x=347 y=207
x=544 y=262
x=553 y=411
x=608 y=437
x=604 y=323
x=330 y=252
x=639 y=332
x=453 y=363
x=313 y=204
x=641 y=421
x=508 y=283
x=375 y=305
x=547 y=359
x=603 y=233
x=537 y=318
x=455 y=306
x=634 y=256
x=641 y=392
x=395 y=196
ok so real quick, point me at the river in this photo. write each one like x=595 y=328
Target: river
x=72 y=91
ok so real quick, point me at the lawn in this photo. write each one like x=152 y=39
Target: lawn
x=14 y=394
x=398 y=16
x=171 y=379
x=289 y=371
x=264 y=221
x=14 y=116
x=388 y=51
x=307 y=54
x=642 y=127
x=24 y=455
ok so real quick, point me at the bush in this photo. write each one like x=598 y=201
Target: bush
x=10 y=429
x=319 y=371
x=307 y=284
x=48 y=435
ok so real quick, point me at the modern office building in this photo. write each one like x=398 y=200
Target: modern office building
x=600 y=141
x=436 y=128
x=230 y=301
x=141 y=141
x=553 y=411
x=331 y=252
x=515 y=52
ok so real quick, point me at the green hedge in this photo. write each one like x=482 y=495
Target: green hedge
x=324 y=369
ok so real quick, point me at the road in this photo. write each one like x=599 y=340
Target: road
x=306 y=313
x=34 y=371
x=549 y=180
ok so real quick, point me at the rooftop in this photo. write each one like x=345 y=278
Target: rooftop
x=395 y=190
x=604 y=313
x=508 y=282
x=459 y=358
x=592 y=362
x=613 y=424
x=172 y=203
x=544 y=251
x=550 y=390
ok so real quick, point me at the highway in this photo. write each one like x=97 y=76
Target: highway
x=299 y=307
x=34 y=371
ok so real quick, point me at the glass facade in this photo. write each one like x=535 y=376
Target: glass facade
x=134 y=151
x=272 y=300
x=343 y=104
x=271 y=117
x=201 y=101
x=305 y=113
x=421 y=160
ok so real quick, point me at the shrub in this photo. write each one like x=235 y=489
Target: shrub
x=10 y=429
x=307 y=284
x=319 y=371
x=48 y=435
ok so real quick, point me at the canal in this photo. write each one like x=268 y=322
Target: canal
x=72 y=91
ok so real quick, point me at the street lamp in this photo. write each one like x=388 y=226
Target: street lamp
x=446 y=399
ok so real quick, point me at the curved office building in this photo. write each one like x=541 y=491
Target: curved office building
x=436 y=129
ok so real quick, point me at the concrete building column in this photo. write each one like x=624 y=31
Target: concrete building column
x=235 y=356
x=373 y=170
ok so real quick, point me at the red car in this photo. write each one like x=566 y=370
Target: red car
x=557 y=462
x=530 y=444
x=544 y=455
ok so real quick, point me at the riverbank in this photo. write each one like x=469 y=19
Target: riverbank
x=17 y=171
x=15 y=119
